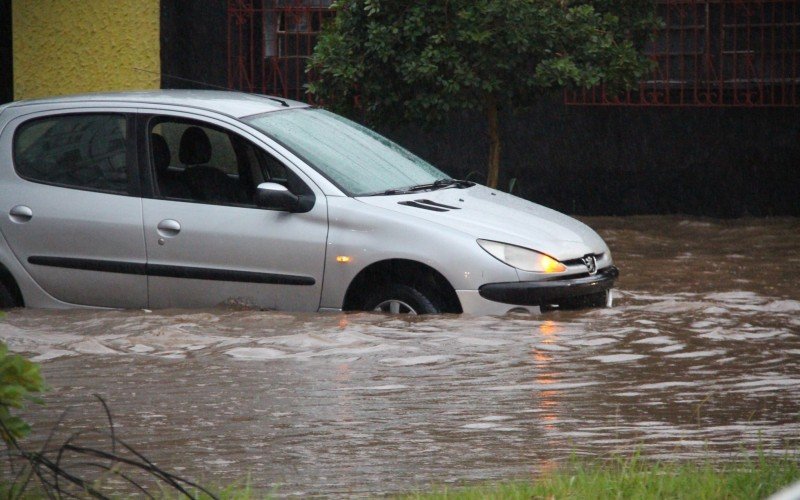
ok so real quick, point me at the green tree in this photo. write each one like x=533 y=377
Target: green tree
x=418 y=61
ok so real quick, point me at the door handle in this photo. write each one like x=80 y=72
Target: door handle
x=20 y=214
x=169 y=228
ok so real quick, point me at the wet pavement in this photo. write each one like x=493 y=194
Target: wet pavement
x=699 y=357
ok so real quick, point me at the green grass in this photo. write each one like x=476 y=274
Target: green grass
x=618 y=478
x=635 y=478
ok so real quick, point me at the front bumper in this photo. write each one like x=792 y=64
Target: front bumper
x=539 y=293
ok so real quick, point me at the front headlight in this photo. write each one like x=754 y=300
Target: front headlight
x=522 y=258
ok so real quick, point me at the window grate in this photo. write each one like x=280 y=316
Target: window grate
x=717 y=53
x=269 y=42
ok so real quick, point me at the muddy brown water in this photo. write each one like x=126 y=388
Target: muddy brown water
x=699 y=358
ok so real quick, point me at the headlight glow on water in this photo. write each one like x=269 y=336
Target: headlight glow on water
x=521 y=258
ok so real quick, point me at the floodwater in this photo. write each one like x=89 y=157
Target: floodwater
x=699 y=358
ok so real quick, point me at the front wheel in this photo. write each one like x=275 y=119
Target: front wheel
x=401 y=299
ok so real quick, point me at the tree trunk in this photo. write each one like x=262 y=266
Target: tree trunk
x=493 y=174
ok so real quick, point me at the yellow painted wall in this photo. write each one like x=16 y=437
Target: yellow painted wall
x=68 y=46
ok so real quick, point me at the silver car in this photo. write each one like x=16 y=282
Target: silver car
x=197 y=198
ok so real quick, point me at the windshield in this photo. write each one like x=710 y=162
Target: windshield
x=355 y=158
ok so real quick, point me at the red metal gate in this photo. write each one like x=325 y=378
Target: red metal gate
x=269 y=42
x=718 y=53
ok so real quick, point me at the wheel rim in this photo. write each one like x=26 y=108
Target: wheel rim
x=395 y=306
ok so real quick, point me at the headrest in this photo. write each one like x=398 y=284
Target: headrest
x=195 y=147
x=161 y=154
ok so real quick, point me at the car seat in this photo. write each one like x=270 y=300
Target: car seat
x=206 y=183
x=169 y=183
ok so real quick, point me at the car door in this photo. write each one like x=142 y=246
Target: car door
x=207 y=242
x=73 y=215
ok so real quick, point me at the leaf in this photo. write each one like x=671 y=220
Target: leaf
x=19 y=378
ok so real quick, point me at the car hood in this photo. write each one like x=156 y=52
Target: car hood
x=493 y=215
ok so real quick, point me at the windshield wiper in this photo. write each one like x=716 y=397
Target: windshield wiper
x=438 y=184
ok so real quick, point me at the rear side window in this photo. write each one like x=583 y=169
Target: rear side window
x=85 y=151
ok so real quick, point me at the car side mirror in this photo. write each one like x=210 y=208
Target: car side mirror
x=274 y=196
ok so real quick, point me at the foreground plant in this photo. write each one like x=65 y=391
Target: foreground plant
x=72 y=468
x=20 y=380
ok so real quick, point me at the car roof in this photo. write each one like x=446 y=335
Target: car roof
x=236 y=104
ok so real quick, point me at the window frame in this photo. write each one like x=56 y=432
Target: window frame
x=131 y=168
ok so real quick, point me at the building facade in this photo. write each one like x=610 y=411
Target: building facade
x=715 y=130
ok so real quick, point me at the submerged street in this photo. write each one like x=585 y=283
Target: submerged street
x=698 y=358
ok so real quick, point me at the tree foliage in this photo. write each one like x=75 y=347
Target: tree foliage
x=415 y=61
x=19 y=378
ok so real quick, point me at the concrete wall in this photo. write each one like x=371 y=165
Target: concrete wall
x=70 y=46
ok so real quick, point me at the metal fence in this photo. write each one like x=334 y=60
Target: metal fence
x=717 y=53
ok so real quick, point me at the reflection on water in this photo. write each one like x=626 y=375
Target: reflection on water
x=699 y=357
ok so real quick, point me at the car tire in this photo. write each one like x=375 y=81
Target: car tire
x=7 y=300
x=401 y=299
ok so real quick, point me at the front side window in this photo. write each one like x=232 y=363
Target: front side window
x=84 y=151
x=196 y=161
x=355 y=158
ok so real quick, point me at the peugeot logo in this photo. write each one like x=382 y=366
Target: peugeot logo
x=591 y=264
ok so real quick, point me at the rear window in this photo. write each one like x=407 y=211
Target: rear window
x=86 y=151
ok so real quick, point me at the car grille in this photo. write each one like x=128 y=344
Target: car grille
x=579 y=260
